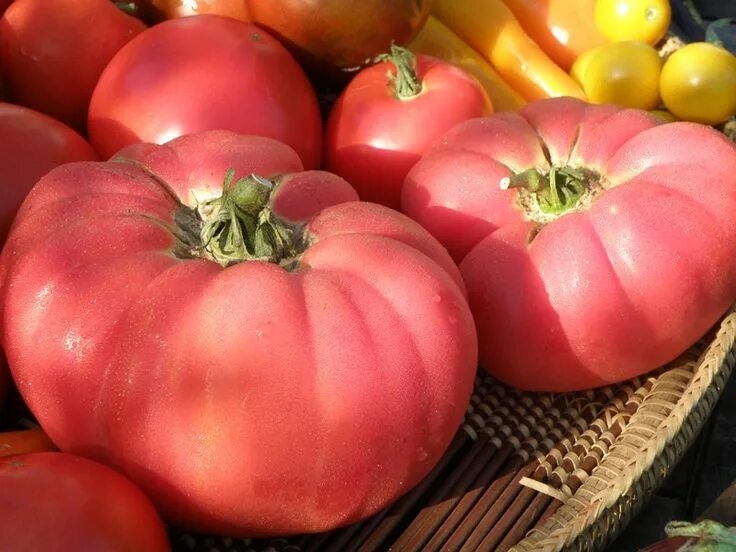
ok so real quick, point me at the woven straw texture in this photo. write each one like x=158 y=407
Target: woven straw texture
x=540 y=472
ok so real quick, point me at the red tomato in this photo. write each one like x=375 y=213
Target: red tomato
x=4 y=5
x=232 y=395
x=630 y=266
x=389 y=114
x=52 y=56
x=55 y=501
x=31 y=144
x=199 y=73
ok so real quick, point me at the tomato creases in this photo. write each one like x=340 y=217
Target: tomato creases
x=668 y=145
x=301 y=195
x=634 y=266
x=661 y=263
x=603 y=134
x=52 y=500
x=195 y=169
x=359 y=218
x=516 y=144
x=313 y=352
x=475 y=203
x=573 y=130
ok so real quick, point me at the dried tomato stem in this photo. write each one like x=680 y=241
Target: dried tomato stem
x=557 y=192
x=406 y=82
x=240 y=225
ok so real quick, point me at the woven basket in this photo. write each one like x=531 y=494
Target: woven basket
x=540 y=472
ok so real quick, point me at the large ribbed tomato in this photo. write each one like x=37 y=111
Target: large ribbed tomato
x=595 y=244
x=146 y=327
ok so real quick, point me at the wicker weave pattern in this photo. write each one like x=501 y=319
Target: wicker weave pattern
x=539 y=472
x=657 y=421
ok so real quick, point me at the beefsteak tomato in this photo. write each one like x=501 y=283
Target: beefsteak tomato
x=56 y=501
x=52 y=56
x=388 y=116
x=596 y=245
x=204 y=72
x=146 y=327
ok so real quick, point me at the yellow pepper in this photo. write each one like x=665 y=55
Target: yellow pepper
x=436 y=39
x=491 y=28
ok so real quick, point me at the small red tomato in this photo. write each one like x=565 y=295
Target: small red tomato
x=204 y=72
x=51 y=55
x=390 y=113
x=56 y=501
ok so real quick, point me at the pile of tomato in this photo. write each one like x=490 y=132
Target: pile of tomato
x=254 y=251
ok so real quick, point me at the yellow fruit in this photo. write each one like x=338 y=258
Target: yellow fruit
x=621 y=73
x=698 y=83
x=644 y=20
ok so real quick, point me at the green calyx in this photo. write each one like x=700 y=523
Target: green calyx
x=406 y=82
x=556 y=193
x=712 y=536
x=240 y=225
x=131 y=8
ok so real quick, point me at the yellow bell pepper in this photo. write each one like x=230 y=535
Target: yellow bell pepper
x=436 y=39
x=490 y=27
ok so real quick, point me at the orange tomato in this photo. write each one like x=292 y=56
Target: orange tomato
x=25 y=441
x=564 y=29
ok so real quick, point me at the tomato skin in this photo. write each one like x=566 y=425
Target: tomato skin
x=229 y=394
x=25 y=441
x=698 y=83
x=56 y=501
x=166 y=83
x=373 y=138
x=622 y=73
x=32 y=145
x=603 y=294
x=40 y=45
x=330 y=36
x=643 y=20
x=159 y=10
